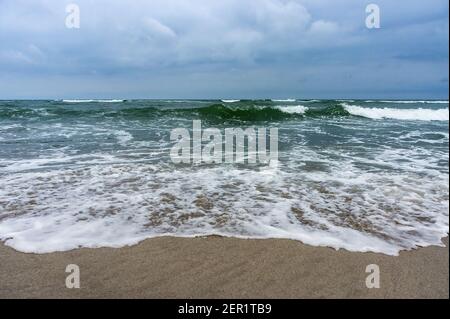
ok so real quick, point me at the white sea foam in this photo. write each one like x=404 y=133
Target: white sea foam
x=408 y=101
x=230 y=101
x=55 y=161
x=292 y=109
x=419 y=114
x=426 y=137
x=121 y=204
x=123 y=137
x=285 y=100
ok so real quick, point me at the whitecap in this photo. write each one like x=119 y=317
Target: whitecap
x=408 y=101
x=230 y=101
x=285 y=100
x=292 y=109
x=418 y=114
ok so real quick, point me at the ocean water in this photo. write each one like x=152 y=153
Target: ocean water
x=353 y=174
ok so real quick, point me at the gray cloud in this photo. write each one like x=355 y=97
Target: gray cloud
x=226 y=48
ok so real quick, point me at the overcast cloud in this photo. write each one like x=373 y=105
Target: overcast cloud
x=224 y=49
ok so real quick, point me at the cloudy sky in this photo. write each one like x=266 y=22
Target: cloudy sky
x=224 y=49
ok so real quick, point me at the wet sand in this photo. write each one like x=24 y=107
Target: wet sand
x=215 y=267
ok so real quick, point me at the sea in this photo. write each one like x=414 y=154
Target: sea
x=359 y=175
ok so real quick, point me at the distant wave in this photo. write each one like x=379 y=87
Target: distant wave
x=408 y=102
x=230 y=101
x=285 y=100
x=242 y=111
x=265 y=112
x=93 y=101
x=419 y=114
x=309 y=101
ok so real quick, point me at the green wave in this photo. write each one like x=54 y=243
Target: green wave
x=240 y=111
x=243 y=113
x=335 y=110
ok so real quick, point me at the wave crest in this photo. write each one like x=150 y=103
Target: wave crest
x=419 y=114
x=93 y=101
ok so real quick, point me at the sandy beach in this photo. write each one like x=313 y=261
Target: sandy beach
x=215 y=267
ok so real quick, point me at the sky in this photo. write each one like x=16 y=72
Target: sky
x=224 y=49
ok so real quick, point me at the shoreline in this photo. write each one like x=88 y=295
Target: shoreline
x=221 y=267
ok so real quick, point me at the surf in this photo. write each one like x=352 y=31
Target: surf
x=418 y=114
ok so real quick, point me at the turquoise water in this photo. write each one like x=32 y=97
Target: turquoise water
x=355 y=174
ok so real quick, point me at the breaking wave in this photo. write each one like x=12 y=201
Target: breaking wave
x=419 y=114
x=241 y=111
